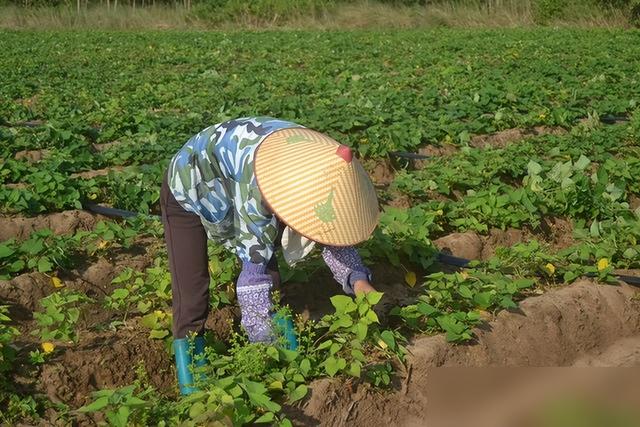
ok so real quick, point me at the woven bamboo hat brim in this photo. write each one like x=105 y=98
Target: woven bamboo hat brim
x=316 y=187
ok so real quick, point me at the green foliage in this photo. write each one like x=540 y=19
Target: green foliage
x=347 y=330
x=499 y=206
x=148 y=293
x=42 y=251
x=7 y=335
x=14 y=407
x=45 y=251
x=452 y=302
x=578 y=188
x=17 y=408
x=617 y=241
x=37 y=357
x=61 y=313
x=141 y=291
x=223 y=270
x=159 y=323
x=567 y=189
x=370 y=108
x=245 y=383
x=138 y=95
x=547 y=10
x=403 y=234
x=135 y=190
x=117 y=405
x=258 y=10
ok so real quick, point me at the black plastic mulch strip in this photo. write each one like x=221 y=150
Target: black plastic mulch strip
x=612 y=120
x=407 y=155
x=111 y=212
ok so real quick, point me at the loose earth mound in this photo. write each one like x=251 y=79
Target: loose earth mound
x=584 y=324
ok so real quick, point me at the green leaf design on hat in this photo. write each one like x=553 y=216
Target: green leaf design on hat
x=296 y=138
x=324 y=211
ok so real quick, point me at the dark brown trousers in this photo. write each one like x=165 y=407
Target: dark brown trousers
x=186 y=241
x=187 y=247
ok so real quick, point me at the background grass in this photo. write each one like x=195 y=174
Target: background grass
x=316 y=14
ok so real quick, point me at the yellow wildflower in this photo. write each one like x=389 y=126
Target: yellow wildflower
x=48 y=347
x=93 y=196
x=602 y=264
x=551 y=269
x=56 y=282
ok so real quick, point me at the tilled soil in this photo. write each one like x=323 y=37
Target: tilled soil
x=105 y=360
x=67 y=222
x=555 y=232
x=624 y=352
x=24 y=292
x=584 y=324
x=503 y=138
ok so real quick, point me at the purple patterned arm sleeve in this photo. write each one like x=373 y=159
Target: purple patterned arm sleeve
x=254 y=297
x=346 y=266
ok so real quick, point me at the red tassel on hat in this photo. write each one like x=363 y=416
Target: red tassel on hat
x=345 y=152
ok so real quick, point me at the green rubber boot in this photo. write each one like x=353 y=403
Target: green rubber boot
x=185 y=352
x=283 y=326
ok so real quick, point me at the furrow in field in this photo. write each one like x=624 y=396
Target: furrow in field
x=564 y=327
x=99 y=172
x=33 y=156
x=24 y=292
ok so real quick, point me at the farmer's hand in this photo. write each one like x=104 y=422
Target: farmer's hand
x=362 y=287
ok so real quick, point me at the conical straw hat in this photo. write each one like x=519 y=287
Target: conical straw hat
x=316 y=187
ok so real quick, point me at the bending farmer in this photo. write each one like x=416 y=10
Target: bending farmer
x=256 y=184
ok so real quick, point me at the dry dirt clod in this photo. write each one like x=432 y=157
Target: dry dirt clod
x=465 y=245
x=26 y=290
x=381 y=172
x=399 y=200
x=32 y=156
x=434 y=151
x=508 y=136
x=500 y=238
x=105 y=145
x=96 y=173
x=220 y=321
x=67 y=222
x=348 y=412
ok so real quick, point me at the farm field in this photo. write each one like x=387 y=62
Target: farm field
x=528 y=146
